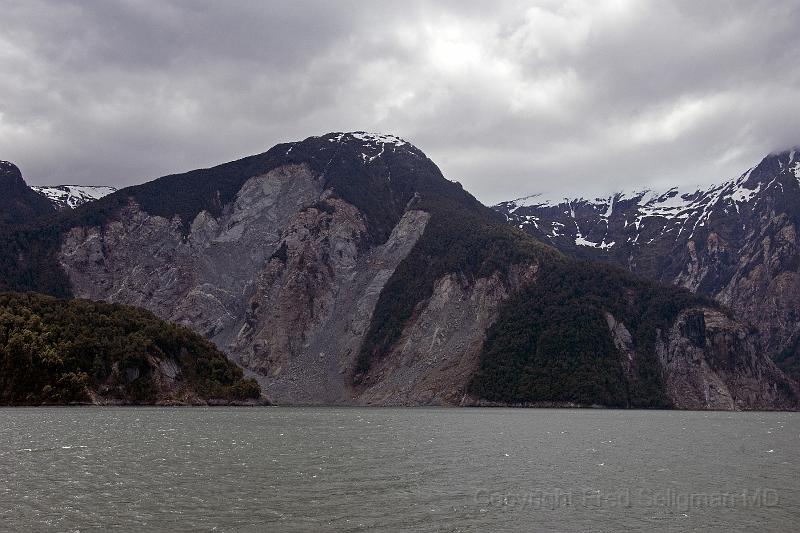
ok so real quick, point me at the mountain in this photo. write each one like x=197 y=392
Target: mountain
x=21 y=203
x=736 y=242
x=345 y=269
x=58 y=352
x=18 y=203
x=72 y=196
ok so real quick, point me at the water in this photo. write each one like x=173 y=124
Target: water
x=317 y=469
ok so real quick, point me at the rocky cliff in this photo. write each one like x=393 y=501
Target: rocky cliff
x=711 y=362
x=736 y=242
x=345 y=269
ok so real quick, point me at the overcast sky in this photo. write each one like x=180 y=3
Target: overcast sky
x=509 y=98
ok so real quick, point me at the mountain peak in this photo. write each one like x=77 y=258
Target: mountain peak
x=72 y=196
x=367 y=137
x=10 y=175
x=371 y=146
x=774 y=166
x=793 y=151
x=18 y=203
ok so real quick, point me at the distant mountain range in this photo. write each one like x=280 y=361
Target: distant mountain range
x=72 y=196
x=736 y=241
x=345 y=269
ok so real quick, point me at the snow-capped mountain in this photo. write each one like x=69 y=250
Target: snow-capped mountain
x=71 y=196
x=346 y=269
x=735 y=241
x=628 y=220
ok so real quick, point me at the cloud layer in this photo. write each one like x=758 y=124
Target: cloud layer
x=509 y=98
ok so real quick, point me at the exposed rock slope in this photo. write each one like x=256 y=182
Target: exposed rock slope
x=344 y=269
x=736 y=242
x=712 y=362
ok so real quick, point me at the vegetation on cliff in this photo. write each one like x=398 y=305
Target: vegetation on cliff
x=458 y=239
x=58 y=352
x=551 y=342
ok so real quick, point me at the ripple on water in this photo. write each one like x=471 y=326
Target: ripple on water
x=393 y=469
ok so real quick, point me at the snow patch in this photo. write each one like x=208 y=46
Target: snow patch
x=378 y=138
x=537 y=200
x=742 y=194
x=581 y=241
x=531 y=219
x=610 y=209
x=374 y=143
x=72 y=196
x=796 y=170
x=672 y=211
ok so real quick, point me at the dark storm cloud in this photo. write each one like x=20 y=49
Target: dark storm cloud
x=509 y=98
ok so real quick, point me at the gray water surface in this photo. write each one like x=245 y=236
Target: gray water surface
x=320 y=469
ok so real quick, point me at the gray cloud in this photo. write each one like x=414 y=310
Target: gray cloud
x=509 y=98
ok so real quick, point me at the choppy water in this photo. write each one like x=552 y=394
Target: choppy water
x=284 y=469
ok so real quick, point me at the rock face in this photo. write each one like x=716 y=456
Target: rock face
x=313 y=304
x=285 y=281
x=708 y=362
x=736 y=242
x=712 y=363
x=438 y=353
x=18 y=203
x=200 y=279
x=344 y=269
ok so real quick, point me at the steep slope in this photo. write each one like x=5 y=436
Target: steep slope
x=345 y=269
x=735 y=242
x=72 y=196
x=29 y=232
x=58 y=352
x=18 y=203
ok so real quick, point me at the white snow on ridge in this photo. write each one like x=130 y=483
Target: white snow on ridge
x=378 y=138
x=671 y=204
x=375 y=143
x=681 y=210
x=370 y=138
x=72 y=196
x=743 y=195
x=537 y=200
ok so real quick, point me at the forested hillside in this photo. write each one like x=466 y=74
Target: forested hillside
x=59 y=352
